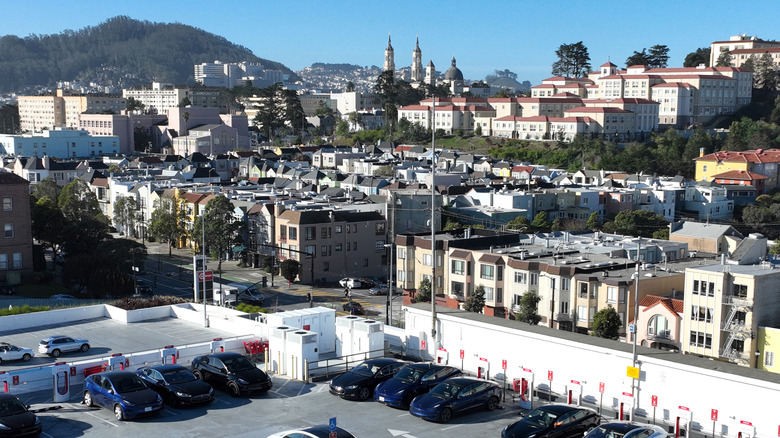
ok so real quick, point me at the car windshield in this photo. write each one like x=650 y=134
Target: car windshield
x=365 y=369
x=409 y=375
x=446 y=390
x=178 y=376
x=125 y=384
x=238 y=363
x=11 y=407
x=540 y=418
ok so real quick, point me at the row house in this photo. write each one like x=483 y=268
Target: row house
x=35 y=169
x=708 y=203
x=764 y=162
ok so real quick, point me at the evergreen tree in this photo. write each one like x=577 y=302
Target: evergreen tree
x=529 y=303
x=476 y=301
x=423 y=294
x=659 y=56
x=606 y=324
x=540 y=222
x=593 y=223
x=724 y=59
x=573 y=60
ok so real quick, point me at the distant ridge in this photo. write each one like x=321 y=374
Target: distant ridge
x=120 y=51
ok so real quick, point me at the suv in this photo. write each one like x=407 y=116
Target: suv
x=236 y=293
x=12 y=352
x=233 y=371
x=56 y=345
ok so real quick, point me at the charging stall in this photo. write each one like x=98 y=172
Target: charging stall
x=117 y=362
x=574 y=392
x=442 y=356
x=4 y=377
x=344 y=328
x=61 y=377
x=301 y=348
x=368 y=336
x=170 y=355
x=682 y=421
x=745 y=429
x=524 y=387
x=277 y=343
x=218 y=345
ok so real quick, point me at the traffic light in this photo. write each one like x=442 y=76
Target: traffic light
x=308 y=296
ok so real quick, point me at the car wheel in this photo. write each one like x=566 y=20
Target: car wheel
x=88 y=399
x=26 y=357
x=445 y=415
x=235 y=391
x=197 y=374
x=55 y=353
x=492 y=403
x=364 y=394
x=119 y=413
x=85 y=347
x=173 y=401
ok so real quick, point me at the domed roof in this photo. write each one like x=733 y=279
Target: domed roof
x=453 y=73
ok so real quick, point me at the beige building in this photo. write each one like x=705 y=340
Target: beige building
x=740 y=44
x=62 y=110
x=158 y=97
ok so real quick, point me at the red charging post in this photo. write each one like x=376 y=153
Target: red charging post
x=549 y=388
x=601 y=395
x=4 y=380
x=714 y=418
x=527 y=387
x=576 y=389
x=683 y=420
x=654 y=404
x=627 y=398
x=462 y=356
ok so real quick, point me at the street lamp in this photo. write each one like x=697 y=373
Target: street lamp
x=203 y=264
x=390 y=285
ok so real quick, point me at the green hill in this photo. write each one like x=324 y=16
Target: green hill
x=120 y=51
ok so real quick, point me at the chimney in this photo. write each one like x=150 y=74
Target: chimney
x=701 y=152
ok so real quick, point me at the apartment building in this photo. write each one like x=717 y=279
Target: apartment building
x=724 y=306
x=764 y=162
x=63 y=110
x=59 y=143
x=16 y=245
x=740 y=45
x=158 y=97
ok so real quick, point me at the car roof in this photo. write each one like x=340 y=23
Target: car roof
x=466 y=379
x=621 y=426
x=166 y=367
x=7 y=396
x=51 y=338
x=114 y=374
x=383 y=361
x=324 y=431
x=561 y=409
x=226 y=354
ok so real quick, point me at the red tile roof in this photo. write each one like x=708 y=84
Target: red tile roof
x=596 y=109
x=749 y=156
x=739 y=174
x=673 y=305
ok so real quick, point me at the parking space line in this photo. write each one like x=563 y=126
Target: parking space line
x=451 y=427
x=101 y=419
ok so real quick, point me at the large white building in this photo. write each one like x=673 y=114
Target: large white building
x=61 y=110
x=227 y=74
x=61 y=143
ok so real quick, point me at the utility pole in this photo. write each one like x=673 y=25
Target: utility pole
x=434 y=343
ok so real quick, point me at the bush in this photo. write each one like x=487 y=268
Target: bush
x=248 y=308
x=23 y=309
x=145 y=303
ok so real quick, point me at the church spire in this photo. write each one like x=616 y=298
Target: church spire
x=389 y=56
x=417 y=68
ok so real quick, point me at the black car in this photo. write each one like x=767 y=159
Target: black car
x=233 y=371
x=354 y=308
x=143 y=290
x=177 y=385
x=413 y=379
x=553 y=421
x=16 y=418
x=359 y=382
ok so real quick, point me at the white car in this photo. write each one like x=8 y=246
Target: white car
x=627 y=429
x=56 y=345
x=12 y=352
x=355 y=283
x=313 y=432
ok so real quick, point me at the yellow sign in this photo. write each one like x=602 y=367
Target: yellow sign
x=632 y=372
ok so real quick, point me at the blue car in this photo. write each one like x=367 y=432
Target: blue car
x=123 y=392
x=455 y=396
x=413 y=379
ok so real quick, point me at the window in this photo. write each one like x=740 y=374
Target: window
x=293 y=233
x=8 y=204
x=338 y=247
x=488 y=293
x=769 y=358
x=740 y=290
x=521 y=277
x=325 y=250
x=326 y=266
x=283 y=232
x=17 y=260
x=338 y=229
x=458 y=267
x=354 y=246
x=401 y=253
x=583 y=290
x=534 y=279
x=612 y=294
x=564 y=307
x=582 y=313
x=3 y=261
x=311 y=249
x=695 y=287
x=564 y=284
x=401 y=274
x=427 y=259
x=325 y=233
x=311 y=233
x=499 y=273
x=380 y=228
x=365 y=263
x=456 y=288
x=9 y=231
x=486 y=271
x=700 y=339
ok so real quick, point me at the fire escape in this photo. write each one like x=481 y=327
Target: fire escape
x=737 y=306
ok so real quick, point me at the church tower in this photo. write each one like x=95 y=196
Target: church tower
x=430 y=73
x=389 y=57
x=417 y=70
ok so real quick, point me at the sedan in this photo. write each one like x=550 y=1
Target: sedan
x=354 y=308
x=233 y=371
x=176 y=384
x=12 y=352
x=380 y=289
x=413 y=380
x=627 y=429
x=123 y=392
x=56 y=345
x=16 y=418
x=455 y=396
x=313 y=432
x=554 y=421
x=359 y=382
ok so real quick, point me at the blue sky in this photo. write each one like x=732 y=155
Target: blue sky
x=519 y=35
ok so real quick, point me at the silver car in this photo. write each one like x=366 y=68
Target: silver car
x=56 y=345
x=627 y=429
x=12 y=352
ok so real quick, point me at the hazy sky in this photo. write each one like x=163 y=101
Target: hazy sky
x=521 y=36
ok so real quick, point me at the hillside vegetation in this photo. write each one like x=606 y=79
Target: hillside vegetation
x=120 y=51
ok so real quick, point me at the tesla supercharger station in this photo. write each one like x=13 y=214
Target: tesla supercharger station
x=683 y=421
x=344 y=325
x=442 y=356
x=574 y=392
x=4 y=377
x=169 y=354
x=322 y=320
x=368 y=336
x=290 y=318
x=301 y=348
x=277 y=343
x=117 y=362
x=525 y=386
x=61 y=375
x=626 y=402
x=218 y=345
x=745 y=429
x=483 y=368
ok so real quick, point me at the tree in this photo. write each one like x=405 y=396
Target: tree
x=355 y=120
x=350 y=86
x=557 y=225
x=476 y=301
x=423 y=294
x=774 y=117
x=47 y=188
x=636 y=222
x=573 y=60
x=520 y=223
x=765 y=75
x=638 y=58
x=528 y=305
x=659 y=56
x=698 y=57
x=540 y=222
x=774 y=249
x=290 y=269
x=185 y=102
x=125 y=215
x=48 y=224
x=77 y=200
x=594 y=223
x=724 y=59
x=606 y=324
x=387 y=91
x=478 y=130
x=221 y=228
x=167 y=223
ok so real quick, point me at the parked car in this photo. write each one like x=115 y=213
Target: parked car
x=123 y=392
x=354 y=308
x=143 y=290
x=554 y=421
x=380 y=289
x=627 y=429
x=63 y=297
x=177 y=385
x=413 y=380
x=233 y=371
x=12 y=352
x=236 y=293
x=16 y=418
x=356 y=283
x=455 y=396
x=359 y=382
x=56 y=345
x=313 y=432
